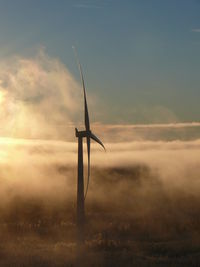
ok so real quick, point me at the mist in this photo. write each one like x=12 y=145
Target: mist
x=143 y=200
x=140 y=192
x=39 y=97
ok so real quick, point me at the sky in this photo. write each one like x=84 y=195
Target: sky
x=140 y=57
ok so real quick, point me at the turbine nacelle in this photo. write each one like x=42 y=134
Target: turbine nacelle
x=88 y=134
x=82 y=133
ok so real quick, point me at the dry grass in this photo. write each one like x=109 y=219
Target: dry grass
x=131 y=221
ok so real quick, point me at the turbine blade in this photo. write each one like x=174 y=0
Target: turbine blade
x=87 y=121
x=97 y=140
x=88 y=176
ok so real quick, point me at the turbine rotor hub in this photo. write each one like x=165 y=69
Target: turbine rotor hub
x=82 y=133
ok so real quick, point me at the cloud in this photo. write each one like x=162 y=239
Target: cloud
x=38 y=96
x=195 y=30
x=132 y=132
x=90 y=4
x=153 y=125
x=46 y=168
x=87 y=6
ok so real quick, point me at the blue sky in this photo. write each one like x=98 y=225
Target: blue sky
x=141 y=58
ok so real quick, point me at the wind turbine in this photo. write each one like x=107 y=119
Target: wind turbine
x=87 y=133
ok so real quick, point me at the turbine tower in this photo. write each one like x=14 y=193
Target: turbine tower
x=87 y=133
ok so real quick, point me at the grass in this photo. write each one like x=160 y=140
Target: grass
x=135 y=224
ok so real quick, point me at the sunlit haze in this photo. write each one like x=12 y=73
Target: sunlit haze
x=141 y=65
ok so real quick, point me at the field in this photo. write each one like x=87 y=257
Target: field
x=133 y=219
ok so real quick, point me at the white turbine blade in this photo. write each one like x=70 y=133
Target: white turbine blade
x=97 y=140
x=87 y=121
